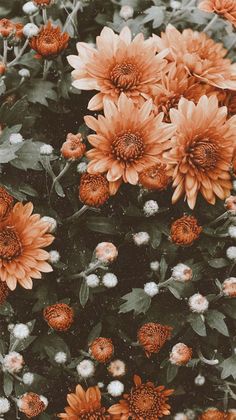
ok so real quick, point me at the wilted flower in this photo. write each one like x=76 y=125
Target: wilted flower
x=49 y=42
x=13 y=362
x=151 y=288
x=117 y=368
x=180 y=354
x=6 y=203
x=109 y=280
x=144 y=401
x=86 y=368
x=4 y=405
x=185 y=231
x=59 y=316
x=198 y=303
x=115 y=388
x=224 y=8
x=229 y=287
x=21 y=331
x=106 y=252
x=101 y=349
x=8 y=28
x=73 y=148
x=30 y=404
x=200 y=380
x=93 y=189
x=153 y=336
x=141 y=238
x=181 y=272
x=155 y=177
x=212 y=414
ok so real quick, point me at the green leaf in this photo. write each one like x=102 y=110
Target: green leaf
x=229 y=308
x=83 y=293
x=96 y=331
x=7 y=384
x=218 y=262
x=50 y=345
x=215 y=320
x=6 y=309
x=39 y=91
x=155 y=237
x=156 y=14
x=163 y=269
x=197 y=324
x=229 y=367
x=137 y=301
x=8 y=151
x=28 y=157
x=172 y=371
x=11 y=115
x=103 y=225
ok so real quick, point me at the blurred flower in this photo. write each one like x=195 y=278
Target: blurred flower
x=60 y=357
x=44 y=400
x=30 y=30
x=144 y=401
x=13 y=362
x=154 y=265
x=6 y=203
x=231 y=253
x=117 y=368
x=232 y=231
x=106 y=252
x=73 y=148
x=93 y=189
x=59 y=316
x=115 y=388
x=15 y=138
x=199 y=380
x=49 y=42
x=117 y=65
x=54 y=256
x=231 y=414
x=101 y=349
x=175 y=4
x=130 y=146
x=21 y=331
x=22 y=237
x=200 y=55
x=30 y=404
x=126 y=12
x=4 y=291
x=92 y=280
x=86 y=368
x=212 y=414
x=230 y=204
x=52 y=223
x=181 y=272
x=28 y=378
x=224 y=8
x=8 y=28
x=155 y=177
x=185 y=231
x=29 y=8
x=85 y=404
x=46 y=149
x=151 y=288
x=229 y=287
x=109 y=280
x=82 y=167
x=198 y=303
x=180 y=354
x=153 y=336
x=181 y=416
x=24 y=73
x=141 y=238
x=150 y=208
x=4 y=405
x=43 y=3
x=2 y=68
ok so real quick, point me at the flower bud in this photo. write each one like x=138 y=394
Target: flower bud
x=30 y=30
x=182 y=273
x=126 y=12
x=101 y=349
x=229 y=287
x=199 y=380
x=106 y=252
x=180 y=354
x=198 y=303
x=29 y=8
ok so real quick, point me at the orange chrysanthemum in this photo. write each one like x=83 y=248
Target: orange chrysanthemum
x=73 y=148
x=59 y=316
x=85 y=405
x=201 y=150
x=93 y=190
x=224 y=8
x=22 y=237
x=7 y=27
x=185 y=231
x=4 y=291
x=117 y=65
x=127 y=141
x=201 y=56
x=155 y=177
x=101 y=349
x=6 y=203
x=213 y=414
x=231 y=415
x=43 y=3
x=2 y=68
x=153 y=336
x=180 y=354
x=49 y=42
x=31 y=405
x=145 y=401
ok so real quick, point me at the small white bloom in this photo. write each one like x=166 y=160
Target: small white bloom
x=150 y=208
x=82 y=167
x=60 y=357
x=151 y=288
x=180 y=416
x=190 y=414
x=115 y=388
x=231 y=252
x=52 y=223
x=46 y=149
x=181 y=272
x=13 y=362
x=4 y=405
x=24 y=73
x=141 y=238
x=109 y=280
x=117 y=368
x=28 y=378
x=86 y=368
x=92 y=280
x=106 y=252
x=199 y=380
x=229 y=287
x=15 y=138
x=30 y=30
x=154 y=265
x=232 y=231
x=21 y=331
x=29 y=8
x=126 y=12
x=100 y=385
x=175 y=4
x=10 y=327
x=198 y=303
x=54 y=256
x=44 y=400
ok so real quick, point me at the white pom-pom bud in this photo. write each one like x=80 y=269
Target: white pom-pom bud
x=92 y=280
x=141 y=238
x=150 y=208
x=28 y=378
x=24 y=73
x=199 y=380
x=86 y=368
x=180 y=416
x=151 y=288
x=175 y=4
x=46 y=149
x=4 y=405
x=82 y=167
x=198 y=303
x=15 y=138
x=231 y=253
x=109 y=280
x=29 y=8
x=30 y=30
x=115 y=388
x=54 y=257
x=21 y=331
x=60 y=357
x=51 y=222
x=182 y=273
x=126 y=12
x=154 y=265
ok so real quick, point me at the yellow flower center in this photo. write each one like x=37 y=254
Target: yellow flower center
x=125 y=75
x=10 y=245
x=128 y=147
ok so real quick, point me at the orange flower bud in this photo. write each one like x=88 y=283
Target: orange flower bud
x=180 y=354
x=94 y=189
x=185 y=231
x=101 y=349
x=59 y=316
x=2 y=68
x=153 y=336
x=213 y=414
x=49 y=42
x=7 y=28
x=155 y=177
x=73 y=148
x=31 y=405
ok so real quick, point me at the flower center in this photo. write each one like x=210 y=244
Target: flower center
x=125 y=75
x=128 y=147
x=49 y=40
x=204 y=155
x=144 y=401
x=10 y=245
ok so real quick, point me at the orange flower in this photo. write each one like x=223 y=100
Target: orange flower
x=180 y=354
x=59 y=316
x=31 y=405
x=2 y=68
x=43 y=3
x=22 y=237
x=73 y=148
x=7 y=28
x=117 y=65
x=6 y=203
x=155 y=177
x=101 y=349
x=145 y=401
x=201 y=150
x=224 y=8
x=4 y=292
x=213 y=414
x=201 y=56
x=49 y=42
x=153 y=336
x=127 y=141
x=93 y=190
x=231 y=415
x=85 y=405
x=185 y=231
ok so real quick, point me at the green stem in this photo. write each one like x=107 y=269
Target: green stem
x=218 y=219
x=77 y=214
x=21 y=52
x=60 y=175
x=44 y=14
x=211 y=362
x=88 y=271
x=211 y=23
x=165 y=283
x=5 y=49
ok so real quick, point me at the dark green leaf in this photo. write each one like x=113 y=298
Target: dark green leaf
x=197 y=324
x=215 y=320
x=83 y=293
x=137 y=301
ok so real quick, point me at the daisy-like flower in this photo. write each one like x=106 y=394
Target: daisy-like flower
x=117 y=65
x=153 y=336
x=49 y=42
x=200 y=55
x=22 y=237
x=201 y=150
x=224 y=8
x=127 y=141
x=85 y=404
x=145 y=401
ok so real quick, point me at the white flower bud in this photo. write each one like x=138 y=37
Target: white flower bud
x=199 y=380
x=150 y=208
x=60 y=357
x=24 y=73
x=86 y=368
x=182 y=273
x=28 y=378
x=44 y=400
x=29 y=8
x=54 y=257
x=231 y=253
x=21 y=331
x=13 y=362
x=115 y=388
x=232 y=231
x=141 y=238
x=151 y=288
x=198 y=303
x=100 y=385
x=175 y=4
x=154 y=265
x=82 y=167
x=180 y=416
x=4 y=405
x=52 y=223
x=15 y=138
x=109 y=280
x=46 y=149
x=229 y=287
x=126 y=12
x=30 y=30
x=92 y=280
x=117 y=368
